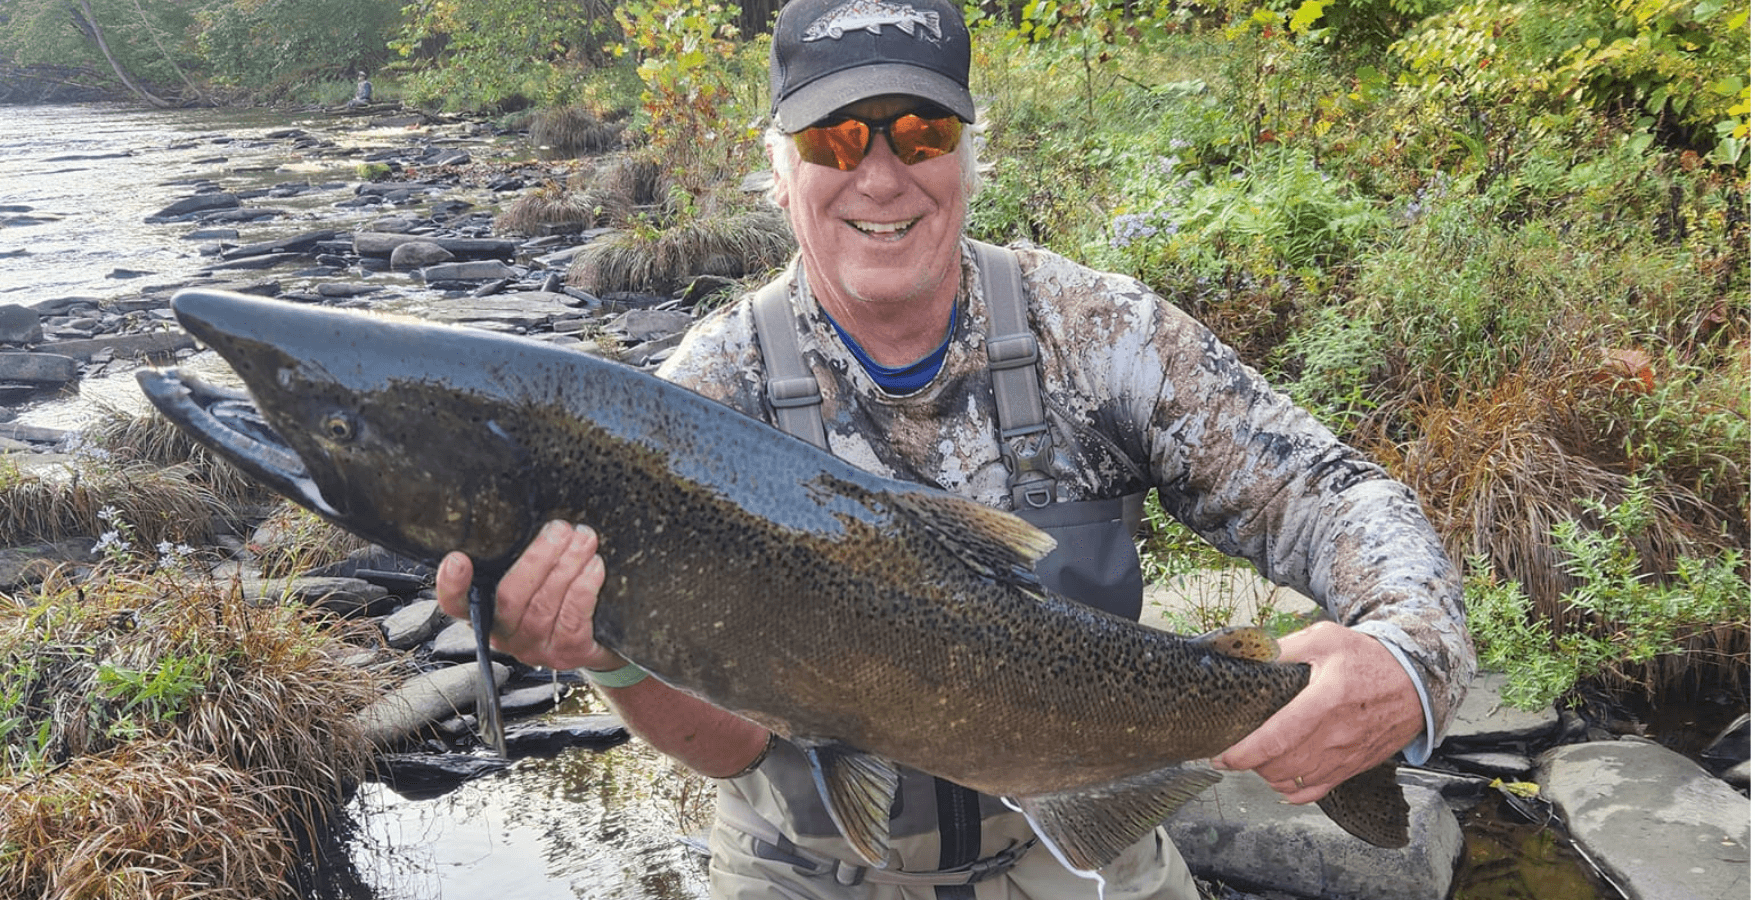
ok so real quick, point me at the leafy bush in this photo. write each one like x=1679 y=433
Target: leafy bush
x=1685 y=63
x=1624 y=624
x=505 y=54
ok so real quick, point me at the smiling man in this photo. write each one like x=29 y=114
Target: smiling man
x=1027 y=382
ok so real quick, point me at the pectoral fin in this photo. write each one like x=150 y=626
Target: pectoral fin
x=1088 y=828
x=858 y=789
x=1371 y=807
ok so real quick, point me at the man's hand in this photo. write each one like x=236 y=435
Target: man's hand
x=543 y=605
x=1357 y=710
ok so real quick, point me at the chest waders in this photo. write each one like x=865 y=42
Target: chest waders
x=1094 y=562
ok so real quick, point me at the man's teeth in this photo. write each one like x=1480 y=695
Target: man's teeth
x=887 y=228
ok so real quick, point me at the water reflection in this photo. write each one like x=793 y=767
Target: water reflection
x=584 y=824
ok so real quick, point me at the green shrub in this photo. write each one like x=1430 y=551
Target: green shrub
x=1622 y=622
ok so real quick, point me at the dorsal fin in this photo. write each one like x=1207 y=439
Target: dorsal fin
x=992 y=541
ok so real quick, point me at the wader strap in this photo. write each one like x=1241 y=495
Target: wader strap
x=773 y=846
x=1012 y=355
x=792 y=389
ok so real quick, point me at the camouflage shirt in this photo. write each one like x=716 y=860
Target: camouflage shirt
x=1139 y=395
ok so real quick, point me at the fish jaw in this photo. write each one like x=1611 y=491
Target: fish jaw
x=225 y=422
x=403 y=461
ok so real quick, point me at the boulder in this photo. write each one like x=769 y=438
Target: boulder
x=1248 y=836
x=418 y=254
x=1656 y=824
x=422 y=700
x=20 y=324
x=476 y=270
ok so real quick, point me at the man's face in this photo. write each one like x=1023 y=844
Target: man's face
x=884 y=233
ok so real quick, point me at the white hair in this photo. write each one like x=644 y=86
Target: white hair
x=783 y=155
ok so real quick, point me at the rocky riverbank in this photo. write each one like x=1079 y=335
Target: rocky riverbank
x=1653 y=821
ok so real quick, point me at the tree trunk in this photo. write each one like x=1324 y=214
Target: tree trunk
x=88 y=23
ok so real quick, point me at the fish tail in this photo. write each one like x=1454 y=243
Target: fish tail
x=1371 y=807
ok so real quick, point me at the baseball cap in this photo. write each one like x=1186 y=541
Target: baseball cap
x=829 y=53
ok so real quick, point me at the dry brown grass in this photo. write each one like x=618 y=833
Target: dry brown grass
x=152 y=438
x=197 y=792
x=571 y=131
x=161 y=504
x=294 y=540
x=659 y=261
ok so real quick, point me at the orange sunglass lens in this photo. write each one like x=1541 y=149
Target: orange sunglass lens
x=916 y=139
x=841 y=145
x=844 y=144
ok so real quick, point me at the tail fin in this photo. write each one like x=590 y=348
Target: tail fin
x=1371 y=807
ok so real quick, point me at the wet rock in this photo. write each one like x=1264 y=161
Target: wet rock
x=423 y=776
x=20 y=324
x=532 y=699
x=1659 y=826
x=1248 y=837
x=265 y=261
x=190 y=206
x=1491 y=763
x=419 y=254
x=599 y=732
x=413 y=624
x=381 y=245
x=520 y=310
x=1486 y=720
x=1461 y=792
x=298 y=244
x=650 y=324
x=421 y=701
x=476 y=270
x=345 y=597
x=456 y=643
x=338 y=289
x=38 y=368
x=123 y=274
x=146 y=344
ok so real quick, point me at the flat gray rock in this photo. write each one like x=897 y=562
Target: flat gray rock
x=38 y=368
x=413 y=624
x=1486 y=719
x=1247 y=836
x=1657 y=824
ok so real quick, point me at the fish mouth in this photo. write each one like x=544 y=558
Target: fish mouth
x=226 y=421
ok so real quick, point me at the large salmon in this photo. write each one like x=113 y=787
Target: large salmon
x=872 y=621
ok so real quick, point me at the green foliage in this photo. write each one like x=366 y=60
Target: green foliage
x=1285 y=214
x=1625 y=619
x=276 y=42
x=1684 y=63
x=500 y=54
x=684 y=50
x=157 y=693
x=147 y=38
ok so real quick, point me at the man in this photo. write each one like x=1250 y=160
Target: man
x=890 y=311
x=362 y=92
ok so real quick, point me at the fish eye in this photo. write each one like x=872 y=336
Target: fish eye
x=339 y=426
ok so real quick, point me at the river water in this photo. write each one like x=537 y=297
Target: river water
x=76 y=185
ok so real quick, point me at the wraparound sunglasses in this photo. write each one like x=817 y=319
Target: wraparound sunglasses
x=915 y=136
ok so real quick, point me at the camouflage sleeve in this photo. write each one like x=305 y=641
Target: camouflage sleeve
x=1260 y=478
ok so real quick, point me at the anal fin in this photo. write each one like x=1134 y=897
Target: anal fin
x=1089 y=827
x=858 y=789
x=1371 y=807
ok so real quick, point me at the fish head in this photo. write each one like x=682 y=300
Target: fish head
x=379 y=429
